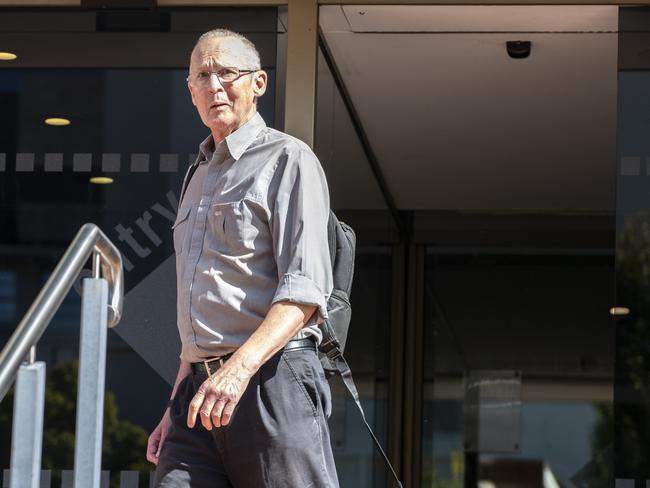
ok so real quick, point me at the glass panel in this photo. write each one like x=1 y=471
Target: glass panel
x=367 y=352
x=632 y=408
x=7 y=297
x=518 y=369
x=519 y=274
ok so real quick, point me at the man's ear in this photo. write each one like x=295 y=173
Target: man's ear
x=189 y=86
x=260 y=81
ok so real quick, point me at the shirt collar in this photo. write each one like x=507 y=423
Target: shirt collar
x=207 y=149
x=237 y=142
x=243 y=137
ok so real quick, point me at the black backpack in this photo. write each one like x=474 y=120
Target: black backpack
x=342 y=243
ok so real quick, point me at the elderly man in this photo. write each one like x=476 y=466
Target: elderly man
x=250 y=401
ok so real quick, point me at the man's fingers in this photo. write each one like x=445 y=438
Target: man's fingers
x=151 y=454
x=227 y=412
x=160 y=445
x=195 y=405
x=211 y=397
x=152 y=458
x=216 y=420
x=215 y=402
x=216 y=412
x=153 y=449
x=206 y=413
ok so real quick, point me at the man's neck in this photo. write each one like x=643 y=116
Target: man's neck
x=220 y=133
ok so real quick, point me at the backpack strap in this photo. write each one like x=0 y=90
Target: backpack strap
x=341 y=365
x=188 y=176
x=332 y=223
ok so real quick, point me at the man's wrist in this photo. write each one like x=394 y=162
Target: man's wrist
x=247 y=359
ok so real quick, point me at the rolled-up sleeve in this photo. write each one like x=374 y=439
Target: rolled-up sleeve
x=299 y=228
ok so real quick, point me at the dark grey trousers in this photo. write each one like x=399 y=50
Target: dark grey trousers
x=278 y=435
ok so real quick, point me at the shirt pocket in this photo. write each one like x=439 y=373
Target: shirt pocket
x=180 y=229
x=233 y=227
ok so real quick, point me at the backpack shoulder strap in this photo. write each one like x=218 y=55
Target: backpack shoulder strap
x=188 y=176
x=332 y=224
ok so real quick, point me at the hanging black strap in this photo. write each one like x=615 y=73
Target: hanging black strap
x=188 y=176
x=342 y=367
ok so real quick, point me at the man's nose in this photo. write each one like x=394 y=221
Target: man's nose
x=213 y=83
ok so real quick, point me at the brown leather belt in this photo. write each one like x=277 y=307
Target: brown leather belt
x=210 y=366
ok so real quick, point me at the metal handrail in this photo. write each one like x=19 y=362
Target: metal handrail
x=89 y=240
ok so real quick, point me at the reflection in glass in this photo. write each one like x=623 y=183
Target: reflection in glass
x=632 y=394
x=534 y=326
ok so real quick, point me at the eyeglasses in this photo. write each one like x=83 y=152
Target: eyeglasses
x=224 y=75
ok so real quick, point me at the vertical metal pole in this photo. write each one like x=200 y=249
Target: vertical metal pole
x=281 y=68
x=96 y=265
x=413 y=347
x=27 y=433
x=302 y=42
x=396 y=381
x=90 y=389
x=418 y=365
x=471 y=469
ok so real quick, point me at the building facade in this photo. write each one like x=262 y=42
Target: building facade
x=493 y=160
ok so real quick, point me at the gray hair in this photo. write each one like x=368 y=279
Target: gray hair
x=251 y=54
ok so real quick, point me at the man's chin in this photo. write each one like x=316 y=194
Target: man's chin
x=223 y=125
x=220 y=120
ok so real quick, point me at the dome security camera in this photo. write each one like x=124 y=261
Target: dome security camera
x=518 y=49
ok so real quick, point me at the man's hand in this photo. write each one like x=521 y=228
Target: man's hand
x=218 y=396
x=157 y=438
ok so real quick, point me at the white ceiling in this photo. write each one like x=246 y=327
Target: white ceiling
x=350 y=179
x=458 y=125
x=491 y=18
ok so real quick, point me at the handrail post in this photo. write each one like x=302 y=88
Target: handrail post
x=96 y=316
x=97 y=261
x=27 y=430
x=91 y=378
x=89 y=239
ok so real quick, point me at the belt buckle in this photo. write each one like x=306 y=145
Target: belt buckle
x=207 y=367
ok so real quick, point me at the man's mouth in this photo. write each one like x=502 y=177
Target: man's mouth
x=219 y=104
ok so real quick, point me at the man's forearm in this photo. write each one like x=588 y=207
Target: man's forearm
x=282 y=323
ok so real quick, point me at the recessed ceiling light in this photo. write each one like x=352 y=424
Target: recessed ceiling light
x=4 y=56
x=57 y=121
x=619 y=311
x=101 y=180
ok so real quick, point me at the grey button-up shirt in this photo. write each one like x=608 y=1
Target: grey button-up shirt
x=251 y=230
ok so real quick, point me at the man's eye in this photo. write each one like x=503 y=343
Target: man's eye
x=203 y=75
x=227 y=73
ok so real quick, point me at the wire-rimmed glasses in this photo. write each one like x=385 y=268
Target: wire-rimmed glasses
x=226 y=74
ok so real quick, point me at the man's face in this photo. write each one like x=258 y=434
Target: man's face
x=224 y=107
